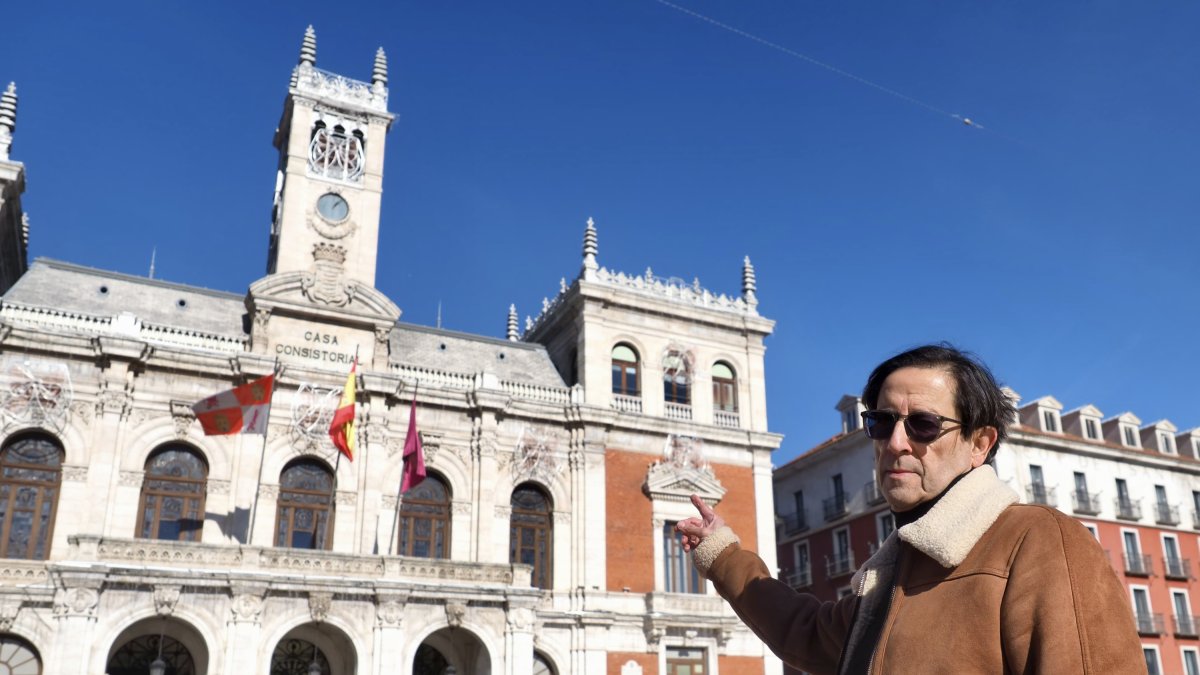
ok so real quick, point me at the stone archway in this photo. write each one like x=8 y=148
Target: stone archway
x=326 y=646
x=456 y=648
x=181 y=646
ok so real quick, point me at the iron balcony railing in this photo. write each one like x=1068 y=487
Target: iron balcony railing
x=839 y=565
x=793 y=523
x=1149 y=624
x=835 y=507
x=874 y=496
x=1086 y=502
x=1137 y=565
x=1177 y=568
x=1128 y=509
x=1186 y=625
x=1038 y=493
x=801 y=578
x=1165 y=514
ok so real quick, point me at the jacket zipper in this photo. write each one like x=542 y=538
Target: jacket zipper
x=875 y=649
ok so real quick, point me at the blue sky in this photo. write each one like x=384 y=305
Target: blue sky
x=1059 y=241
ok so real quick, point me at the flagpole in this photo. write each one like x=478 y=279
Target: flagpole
x=338 y=462
x=262 y=455
x=400 y=485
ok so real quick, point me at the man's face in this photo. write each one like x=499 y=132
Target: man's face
x=909 y=472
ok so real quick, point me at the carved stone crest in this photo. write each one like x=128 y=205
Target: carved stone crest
x=35 y=392
x=76 y=602
x=535 y=458
x=319 y=603
x=247 y=607
x=455 y=613
x=183 y=416
x=390 y=612
x=165 y=599
x=520 y=618
x=326 y=284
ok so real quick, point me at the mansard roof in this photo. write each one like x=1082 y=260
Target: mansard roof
x=448 y=350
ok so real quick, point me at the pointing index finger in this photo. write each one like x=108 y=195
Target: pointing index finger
x=705 y=510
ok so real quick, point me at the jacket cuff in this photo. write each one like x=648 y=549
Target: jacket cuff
x=704 y=555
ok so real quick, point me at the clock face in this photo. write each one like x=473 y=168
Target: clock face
x=332 y=207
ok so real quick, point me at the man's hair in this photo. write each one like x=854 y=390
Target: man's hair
x=977 y=397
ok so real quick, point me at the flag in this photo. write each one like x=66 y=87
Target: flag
x=341 y=430
x=243 y=409
x=414 y=454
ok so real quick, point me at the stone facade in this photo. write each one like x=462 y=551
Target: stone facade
x=98 y=372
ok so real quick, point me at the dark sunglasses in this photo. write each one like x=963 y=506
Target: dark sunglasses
x=922 y=427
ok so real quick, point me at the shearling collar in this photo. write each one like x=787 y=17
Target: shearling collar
x=951 y=528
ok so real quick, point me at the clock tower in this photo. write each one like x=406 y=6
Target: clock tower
x=327 y=193
x=325 y=220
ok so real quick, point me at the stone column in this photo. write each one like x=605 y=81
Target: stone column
x=75 y=604
x=389 y=633
x=243 y=630
x=487 y=402
x=518 y=640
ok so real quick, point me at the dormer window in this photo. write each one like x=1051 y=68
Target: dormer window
x=1166 y=444
x=1050 y=421
x=1130 y=436
x=1091 y=429
x=849 y=421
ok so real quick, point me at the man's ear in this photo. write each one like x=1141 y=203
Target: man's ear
x=981 y=444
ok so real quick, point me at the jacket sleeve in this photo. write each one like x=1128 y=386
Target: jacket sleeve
x=1064 y=610
x=802 y=630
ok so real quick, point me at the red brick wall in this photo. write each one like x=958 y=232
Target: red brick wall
x=629 y=521
x=738 y=507
x=648 y=662
x=741 y=665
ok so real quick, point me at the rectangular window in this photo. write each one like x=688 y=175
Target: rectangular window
x=841 y=544
x=839 y=491
x=1130 y=437
x=1123 y=494
x=798 y=503
x=1037 y=485
x=685 y=661
x=1151 y=655
x=1165 y=443
x=1132 y=545
x=1183 y=613
x=1092 y=528
x=1081 y=485
x=886 y=525
x=1160 y=493
x=1050 y=420
x=802 y=576
x=1191 y=665
x=1090 y=430
x=681 y=575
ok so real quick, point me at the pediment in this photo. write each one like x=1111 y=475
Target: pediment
x=670 y=482
x=299 y=293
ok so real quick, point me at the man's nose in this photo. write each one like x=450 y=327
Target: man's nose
x=897 y=442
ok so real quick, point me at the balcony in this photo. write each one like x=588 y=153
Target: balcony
x=835 y=507
x=626 y=404
x=874 y=496
x=1084 y=502
x=839 y=565
x=1149 y=625
x=1128 y=509
x=1177 y=568
x=793 y=523
x=1165 y=514
x=1137 y=565
x=727 y=418
x=677 y=411
x=1038 y=493
x=1186 y=625
x=799 y=579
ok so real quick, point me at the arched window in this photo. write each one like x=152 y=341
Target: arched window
x=625 y=371
x=134 y=657
x=530 y=533
x=18 y=657
x=172 y=505
x=425 y=520
x=293 y=656
x=724 y=387
x=305 y=519
x=542 y=665
x=30 y=476
x=677 y=379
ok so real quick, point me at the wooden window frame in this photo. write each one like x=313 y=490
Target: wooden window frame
x=14 y=485
x=621 y=370
x=408 y=521
x=199 y=497
x=319 y=507
x=543 y=537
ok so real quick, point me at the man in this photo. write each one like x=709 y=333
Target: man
x=970 y=582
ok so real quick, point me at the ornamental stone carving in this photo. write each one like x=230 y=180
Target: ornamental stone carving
x=82 y=411
x=75 y=474
x=76 y=602
x=182 y=416
x=503 y=511
x=114 y=401
x=132 y=478
x=247 y=606
x=319 y=603
x=218 y=487
x=138 y=417
x=631 y=667
x=347 y=497
x=326 y=283
x=268 y=491
x=389 y=611
x=520 y=618
x=455 y=613
x=166 y=598
x=9 y=608
x=461 y=508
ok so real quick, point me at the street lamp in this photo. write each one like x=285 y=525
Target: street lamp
x=314 y=668
x=158 y=666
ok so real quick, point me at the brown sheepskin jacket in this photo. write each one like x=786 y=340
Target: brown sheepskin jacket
x=982 y=585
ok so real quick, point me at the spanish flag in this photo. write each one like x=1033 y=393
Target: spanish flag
x=341 y=430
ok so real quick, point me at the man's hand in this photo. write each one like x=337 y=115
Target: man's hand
x=694 y=530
